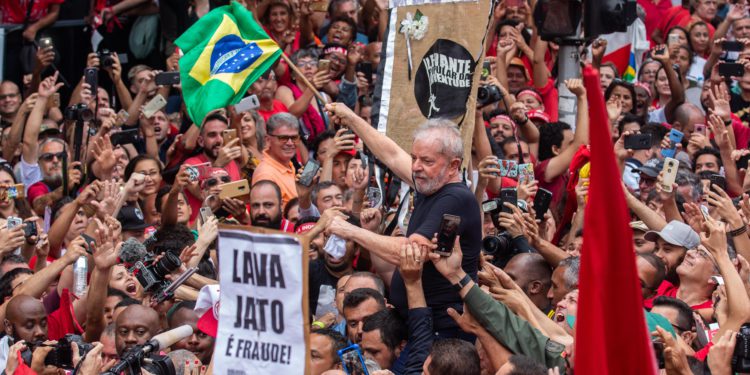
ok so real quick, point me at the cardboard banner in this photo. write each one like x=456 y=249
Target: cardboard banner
x=263 y=316
x=445 y=45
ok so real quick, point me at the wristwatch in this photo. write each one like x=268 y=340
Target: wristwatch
x=462 y=283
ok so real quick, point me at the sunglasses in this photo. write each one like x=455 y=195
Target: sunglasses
x=213 y=181
x=48 y=156
x=286 y=138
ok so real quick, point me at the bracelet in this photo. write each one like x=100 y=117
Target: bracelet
x=738 y=231
x=319 y=324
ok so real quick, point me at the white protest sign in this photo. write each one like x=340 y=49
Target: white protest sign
x=262 y=316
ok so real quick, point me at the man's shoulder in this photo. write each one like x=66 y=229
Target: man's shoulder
x=197 y=159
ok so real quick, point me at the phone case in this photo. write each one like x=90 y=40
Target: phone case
x=157 y=103
x=236 y=189
x=447 y=234
x=670 y=173
x=525 y=173
x=508 y=168
x=229 y=135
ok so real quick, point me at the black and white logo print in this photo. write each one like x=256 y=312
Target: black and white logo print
x=443 y=81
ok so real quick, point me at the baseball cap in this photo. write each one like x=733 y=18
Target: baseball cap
x=651 y=168
x=638 y=225
x=131 y=219
x=518 y=62
x=676 y=233
x=207 y=308
x=536 y=114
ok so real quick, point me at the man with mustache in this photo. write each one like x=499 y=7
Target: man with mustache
x=433 y=170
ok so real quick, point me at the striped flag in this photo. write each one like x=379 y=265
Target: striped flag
x=626 y=49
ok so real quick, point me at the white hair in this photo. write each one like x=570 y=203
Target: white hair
x=446 y=133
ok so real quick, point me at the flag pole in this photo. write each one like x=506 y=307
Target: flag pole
x=301 y=76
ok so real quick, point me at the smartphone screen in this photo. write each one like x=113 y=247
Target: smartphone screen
x=447 y=234
x=308 y=174
x=352 y=360
x=542 y=201
x=508 y=196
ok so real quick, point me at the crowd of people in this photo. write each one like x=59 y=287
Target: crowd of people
x=99 y=186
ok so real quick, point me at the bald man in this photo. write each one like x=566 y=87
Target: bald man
x=25 y=319
x=135 y=326
x=532 y=273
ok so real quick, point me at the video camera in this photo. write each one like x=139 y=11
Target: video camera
x=741 y=356
x=151 y=273
x=106 y=59
x=488 y=94
x=78 y=112
x=62 y=354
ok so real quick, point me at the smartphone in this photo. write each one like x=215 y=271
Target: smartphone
x=486 y=68
x=308 y=173
x=673 y=39
x=137 y=177
x=45 y=43
x=638 y=142
x=718 y=280
x=525 y=173
x=700 y=128
x=121 y=117
x=718 y=180
x=732 y=45
x=659 y=51
x=508 y=195
x=659 y=351
x=157 y=103
x=206 y=213
x=727 y=70
x=742 y=163
x=229 y=135
x=236 y=189
x=246 y=104
x=675 y=137
x=319 y=6
x=352 y=360
x=16 y=191
x=366 y=69
x=13 y=222
x=124 y=137
x=508 y=168
x=489 y=206
x=167 y=78
x=670 y=173
x=29 y=229
x=542 y=201
x=324 y=64
x=447 y=234
x=91 y=77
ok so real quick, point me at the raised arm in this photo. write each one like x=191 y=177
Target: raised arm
x=560 y=163
x=661 y=54
x=384 y=148
x=31 y=134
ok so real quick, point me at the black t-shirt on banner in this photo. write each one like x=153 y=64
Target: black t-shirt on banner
x=322 y=288
x=455 y=199
x=741 y=108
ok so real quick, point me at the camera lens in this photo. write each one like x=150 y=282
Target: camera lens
x=168 y=263
x=490 y=244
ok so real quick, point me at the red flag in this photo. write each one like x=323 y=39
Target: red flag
x=611 y=334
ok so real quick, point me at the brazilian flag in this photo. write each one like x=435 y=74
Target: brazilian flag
x=224 y=53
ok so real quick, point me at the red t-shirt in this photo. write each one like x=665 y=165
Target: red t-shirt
x=654 y=13
x=556 y=186
x=36 y=190
x=278 y=107
x=195 y=202
x=670 y=290
x=14 y=11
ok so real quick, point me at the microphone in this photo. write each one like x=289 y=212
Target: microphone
x=132 y=251
x=167 y=339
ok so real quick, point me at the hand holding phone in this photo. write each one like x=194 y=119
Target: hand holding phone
x=446 y=237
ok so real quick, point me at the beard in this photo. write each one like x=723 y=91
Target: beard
x=53 y=181
x=431 y=185
x=264 y=221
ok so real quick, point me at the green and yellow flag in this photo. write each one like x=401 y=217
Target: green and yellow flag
x=224 y=53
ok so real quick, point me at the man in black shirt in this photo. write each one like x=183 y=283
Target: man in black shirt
x=433 y=170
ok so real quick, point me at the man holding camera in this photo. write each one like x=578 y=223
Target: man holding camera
x=433 y=170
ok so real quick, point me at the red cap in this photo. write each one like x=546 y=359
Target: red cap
x=536 y=114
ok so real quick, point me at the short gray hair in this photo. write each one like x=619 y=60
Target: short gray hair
x=451 y=143
x=281 y=120
x=52 y=140
x=573 y=268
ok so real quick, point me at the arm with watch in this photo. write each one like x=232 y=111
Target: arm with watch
x=528 y=131
x=515 y=333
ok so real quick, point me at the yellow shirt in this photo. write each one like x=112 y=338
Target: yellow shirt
x=282 y=175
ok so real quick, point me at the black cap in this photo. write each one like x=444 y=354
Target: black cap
x=131 y=219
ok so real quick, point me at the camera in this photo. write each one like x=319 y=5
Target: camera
x=78 y=112
x=741 y=356
x=152 y=276
x=62 y=354
x=159 y=365
x=106 y=59
x=500 y=247
x=488 y=94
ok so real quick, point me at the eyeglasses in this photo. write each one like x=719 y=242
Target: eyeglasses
x=286 y=138
x=8 y=96
x=213 y=181
x=49 y=156
x=307 y=64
